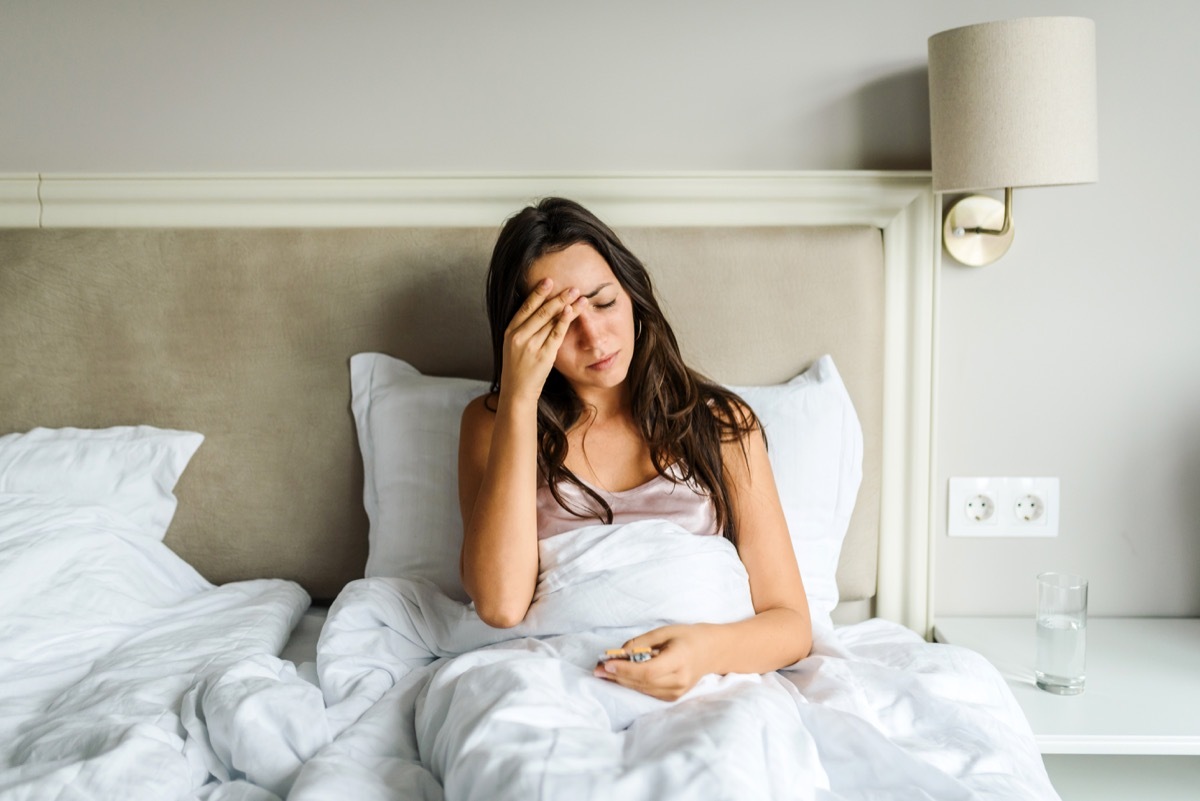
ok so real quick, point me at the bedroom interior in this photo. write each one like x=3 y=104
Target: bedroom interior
x=1071 y=356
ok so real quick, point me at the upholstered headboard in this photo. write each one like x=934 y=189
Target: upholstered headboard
x=244 y=334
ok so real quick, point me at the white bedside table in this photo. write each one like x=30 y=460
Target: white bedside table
x=1135 y=730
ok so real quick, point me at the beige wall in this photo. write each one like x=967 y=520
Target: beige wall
x=1078 y=355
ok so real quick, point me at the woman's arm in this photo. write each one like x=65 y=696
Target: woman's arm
x=780 y=632
x=497 y=464
x=497 y=485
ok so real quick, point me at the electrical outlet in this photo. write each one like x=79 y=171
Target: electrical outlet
x=973 y=509
x=1029 y=509
x=980 y=507
x=1002 y=507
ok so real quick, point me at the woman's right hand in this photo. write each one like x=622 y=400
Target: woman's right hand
x=533 y=337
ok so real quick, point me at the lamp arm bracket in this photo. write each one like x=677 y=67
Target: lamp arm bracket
x=1003 y=229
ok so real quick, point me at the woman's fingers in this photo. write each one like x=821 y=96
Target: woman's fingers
x=540 y=308
x=549 y=311
x=668 y=675
x=556 y=328
x=536 y=298
x=548 y=322
x=662 y=682
x=531 y=344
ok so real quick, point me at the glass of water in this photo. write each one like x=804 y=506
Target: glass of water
x=1061 y=632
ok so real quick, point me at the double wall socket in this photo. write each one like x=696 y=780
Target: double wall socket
x=1002 y=507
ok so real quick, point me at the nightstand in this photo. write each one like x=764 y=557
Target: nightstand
x=1135 y=730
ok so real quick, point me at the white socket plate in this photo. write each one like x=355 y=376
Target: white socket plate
x=1004 y=493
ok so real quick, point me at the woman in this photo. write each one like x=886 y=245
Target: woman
x=594 y=418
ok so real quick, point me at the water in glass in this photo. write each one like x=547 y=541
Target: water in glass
x=1061 y=647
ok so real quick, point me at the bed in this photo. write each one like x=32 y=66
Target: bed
x=228 y=525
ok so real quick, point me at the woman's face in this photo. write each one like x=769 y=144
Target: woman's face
x=598 y=347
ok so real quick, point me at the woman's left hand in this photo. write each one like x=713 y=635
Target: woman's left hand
x=680 y=663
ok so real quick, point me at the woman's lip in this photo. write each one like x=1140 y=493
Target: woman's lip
x=604 y=363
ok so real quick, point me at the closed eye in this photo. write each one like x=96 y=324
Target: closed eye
x=608 y=305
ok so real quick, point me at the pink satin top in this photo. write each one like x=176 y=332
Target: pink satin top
x=682 y=504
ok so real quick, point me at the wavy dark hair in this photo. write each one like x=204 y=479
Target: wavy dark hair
x=683 y=416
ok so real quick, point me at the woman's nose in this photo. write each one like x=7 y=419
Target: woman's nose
x=586 y=330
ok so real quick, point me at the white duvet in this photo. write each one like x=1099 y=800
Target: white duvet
x=104 y=636
x=424 y=701
x=125 y=675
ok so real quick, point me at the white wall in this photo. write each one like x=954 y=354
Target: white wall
x=1078 y=355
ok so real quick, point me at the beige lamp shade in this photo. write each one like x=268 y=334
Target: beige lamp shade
x=1013 y=104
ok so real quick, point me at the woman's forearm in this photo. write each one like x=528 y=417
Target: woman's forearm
x=500 y=553
x=772 y=639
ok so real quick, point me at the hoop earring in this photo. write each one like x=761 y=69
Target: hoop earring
x=637 y=329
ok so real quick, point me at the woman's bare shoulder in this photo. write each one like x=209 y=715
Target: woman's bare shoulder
x=480 y=413
x=735 y=414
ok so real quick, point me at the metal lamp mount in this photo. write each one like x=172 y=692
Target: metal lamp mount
x=979 y=229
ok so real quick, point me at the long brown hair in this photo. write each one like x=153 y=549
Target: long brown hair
x=683 y=416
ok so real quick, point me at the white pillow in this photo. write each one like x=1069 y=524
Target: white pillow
x=408 y=426
x=408 y=433
x=128 y=469
x=815 y=444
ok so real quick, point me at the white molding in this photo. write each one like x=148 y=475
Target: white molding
x=307 y=201
x=911 y=264
x=1128 y=745
x=901 y=204
x=19 y=205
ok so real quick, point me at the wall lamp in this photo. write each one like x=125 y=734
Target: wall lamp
x=1011 y=104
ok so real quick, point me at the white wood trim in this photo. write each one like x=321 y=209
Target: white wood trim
x=905 y=541
x=743 y=198
x=1110 y=745
x=901 y=204
x=19 y=205
x=931 y=478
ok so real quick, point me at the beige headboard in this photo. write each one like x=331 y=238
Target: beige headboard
x=244 y=334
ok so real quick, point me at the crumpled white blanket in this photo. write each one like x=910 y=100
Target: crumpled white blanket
x=425 y=701
x=123 y=674
x=103 y=633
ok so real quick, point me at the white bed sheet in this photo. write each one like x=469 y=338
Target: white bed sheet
x=124 y=674
x=104 y=634
x=301 y=647
x=424 y=701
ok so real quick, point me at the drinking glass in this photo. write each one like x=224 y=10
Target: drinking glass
x=1061 y=633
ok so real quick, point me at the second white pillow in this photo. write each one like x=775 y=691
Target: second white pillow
x=408 y=433
x=815 y=443
x=129 y=469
